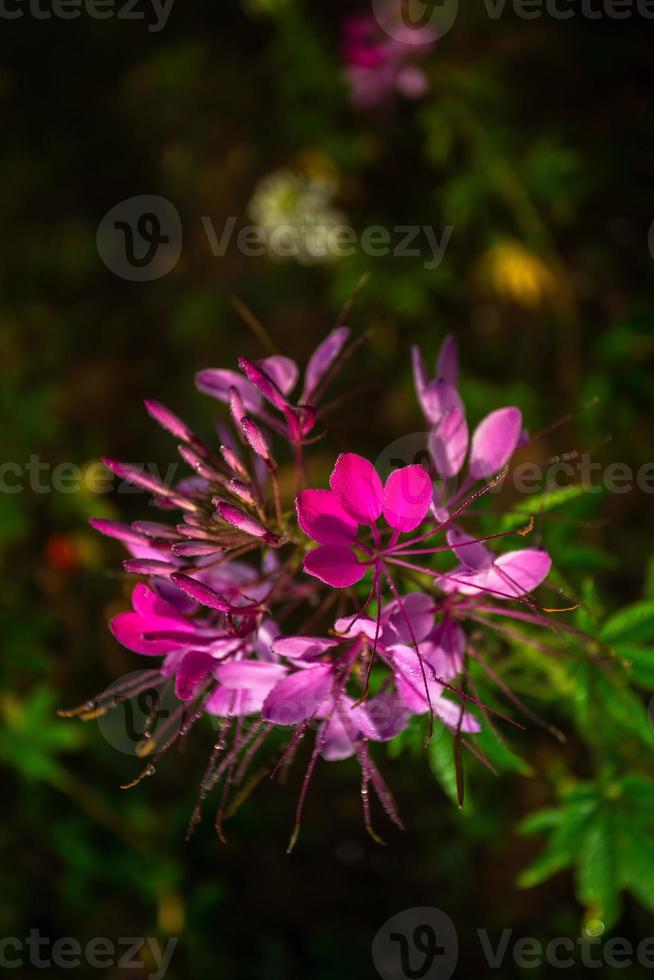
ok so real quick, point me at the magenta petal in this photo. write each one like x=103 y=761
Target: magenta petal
x=410 y=678
x=282 y=370
x=407 y=496
x=322 y=359
x=129 y=627
x=114 y=529
x=217 y=382
x=227 y=703
x=358 y=486
x=438 y=398
x=448 y=443
x=519 y=572
x=193 y=669
x=264 y=382
x=336 y=743
x=473 y=554
x=447 y=364
x=299 y=696
x=382 y=718
x=445 y=650
x=148 y=603
x=351 y=627
x=202 y=593
x=451 y=715
x=334 y=565
x=494 y=442
x=411 y=618
x=255 y=675
x=168 y=420
x=302 y=646
x=420 y=376
x=322 y=517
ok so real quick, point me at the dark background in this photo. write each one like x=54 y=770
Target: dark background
x=535 y=144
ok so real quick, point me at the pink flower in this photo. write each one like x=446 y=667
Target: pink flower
x=333 y=517
x=382 y=63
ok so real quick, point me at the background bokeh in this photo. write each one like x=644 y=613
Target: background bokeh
x=534 y=143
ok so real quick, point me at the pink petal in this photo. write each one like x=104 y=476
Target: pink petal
x=302 y=646
x=336 y=743
x=420 y=376
x=282 y=370
x=334 y=565
x=129 y=627
x=353 y=626
x=449 y=712
x=168 y=420
x=447 y=364
x=519 y=572
x=322 y=517
x=473 y=555
x=146 y=602
x=255 y=675
x=227 y=703
x=299 y=696
x=358 y=486
x=448 y=443
x=411 y=677
x=438 y=398
x=407 y=497
x=446 y=649
x=264 y=382
x=217 y=382
x=418 y=609
x=494 y=442
x=193 y=669
x=322 y=359
x=114 y=529
x=382 y=718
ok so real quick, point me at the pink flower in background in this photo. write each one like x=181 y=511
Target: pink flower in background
x=381 y=65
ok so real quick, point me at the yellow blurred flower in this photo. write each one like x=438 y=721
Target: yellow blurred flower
x=516 y=273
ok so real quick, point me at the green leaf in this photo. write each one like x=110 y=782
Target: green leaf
x=441 y=760
x=634 y=623
x=640 y=660
x=499 y=754
x=597 y=867
x=540 y=503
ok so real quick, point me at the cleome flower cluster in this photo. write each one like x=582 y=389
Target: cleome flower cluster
x=330 y=615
